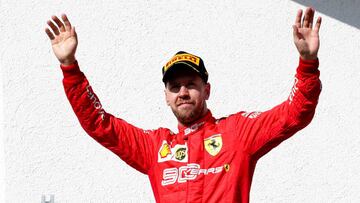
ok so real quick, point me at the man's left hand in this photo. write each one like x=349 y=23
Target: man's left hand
x=306 y=38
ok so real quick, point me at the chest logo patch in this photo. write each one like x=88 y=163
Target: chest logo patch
x=164 y=150
x=177 y=153
x=213 y=144
x=180 y=154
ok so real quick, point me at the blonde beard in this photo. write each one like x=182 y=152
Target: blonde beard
x=189 y=117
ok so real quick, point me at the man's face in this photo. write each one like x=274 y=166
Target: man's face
x=186 y=94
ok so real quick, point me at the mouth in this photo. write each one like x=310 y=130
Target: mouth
x=185 y=104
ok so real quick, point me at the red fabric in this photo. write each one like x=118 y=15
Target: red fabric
x=180 y=166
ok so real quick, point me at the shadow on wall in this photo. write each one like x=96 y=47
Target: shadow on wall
x=346 y=11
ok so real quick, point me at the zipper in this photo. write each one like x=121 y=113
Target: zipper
x=187 y=182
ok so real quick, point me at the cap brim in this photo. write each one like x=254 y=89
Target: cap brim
x=176 y=66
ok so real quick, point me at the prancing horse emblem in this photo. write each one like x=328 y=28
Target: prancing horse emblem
x=213 y=144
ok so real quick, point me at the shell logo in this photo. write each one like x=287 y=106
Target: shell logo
x=165 y=150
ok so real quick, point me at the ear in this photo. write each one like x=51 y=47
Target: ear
x=207 y=91
x=166 y=97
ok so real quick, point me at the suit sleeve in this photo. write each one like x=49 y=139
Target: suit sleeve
x=262 y=131
x=133 y=145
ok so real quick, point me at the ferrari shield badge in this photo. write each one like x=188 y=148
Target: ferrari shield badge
x=213 y=144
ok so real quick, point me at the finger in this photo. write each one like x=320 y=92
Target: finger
x=318 y=24
x=295 y=33
x=66 y=22
x=311 y=17
x=298 y=18
x=59 y=23
x=53 y=27
x=73 y=32
x=306 y=18
x=49 y=34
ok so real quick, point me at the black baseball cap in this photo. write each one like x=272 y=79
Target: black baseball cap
x=185 y=60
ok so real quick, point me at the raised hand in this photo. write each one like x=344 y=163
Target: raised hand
x=306 y=38
x=63 y=39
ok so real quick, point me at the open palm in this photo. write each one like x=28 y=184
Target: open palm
x=63 y=39
x=306 y=38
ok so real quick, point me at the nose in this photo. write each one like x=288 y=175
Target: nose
x=183 y=92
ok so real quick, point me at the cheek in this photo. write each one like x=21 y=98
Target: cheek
x=170 y=99
x=197 y=96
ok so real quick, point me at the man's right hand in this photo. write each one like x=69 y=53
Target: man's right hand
x=63 y=39
x=306 y=36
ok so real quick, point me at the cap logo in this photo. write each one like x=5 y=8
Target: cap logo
x=182 y=57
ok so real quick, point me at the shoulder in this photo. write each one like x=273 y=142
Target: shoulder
x=238 y=118
x=160 y=133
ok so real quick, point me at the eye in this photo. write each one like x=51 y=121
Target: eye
x=191 y=85
x=174 y=88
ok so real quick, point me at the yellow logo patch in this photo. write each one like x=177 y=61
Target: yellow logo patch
x=165 y=150
x=182 y=57
x=213 y=144
x=178 y=153
x=227 y=167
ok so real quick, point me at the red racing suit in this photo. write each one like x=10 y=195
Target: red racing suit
x=213 y=160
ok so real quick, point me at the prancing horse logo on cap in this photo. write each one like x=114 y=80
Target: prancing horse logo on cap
x=213 y=144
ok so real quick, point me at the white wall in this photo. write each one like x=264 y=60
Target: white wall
x=2 y=157
x=248 y=50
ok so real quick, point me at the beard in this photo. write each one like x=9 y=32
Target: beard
x=188 y=115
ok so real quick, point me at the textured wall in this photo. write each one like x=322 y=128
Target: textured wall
x=2 y=158
x=248 y=50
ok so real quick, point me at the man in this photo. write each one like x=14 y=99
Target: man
x=208 y=160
